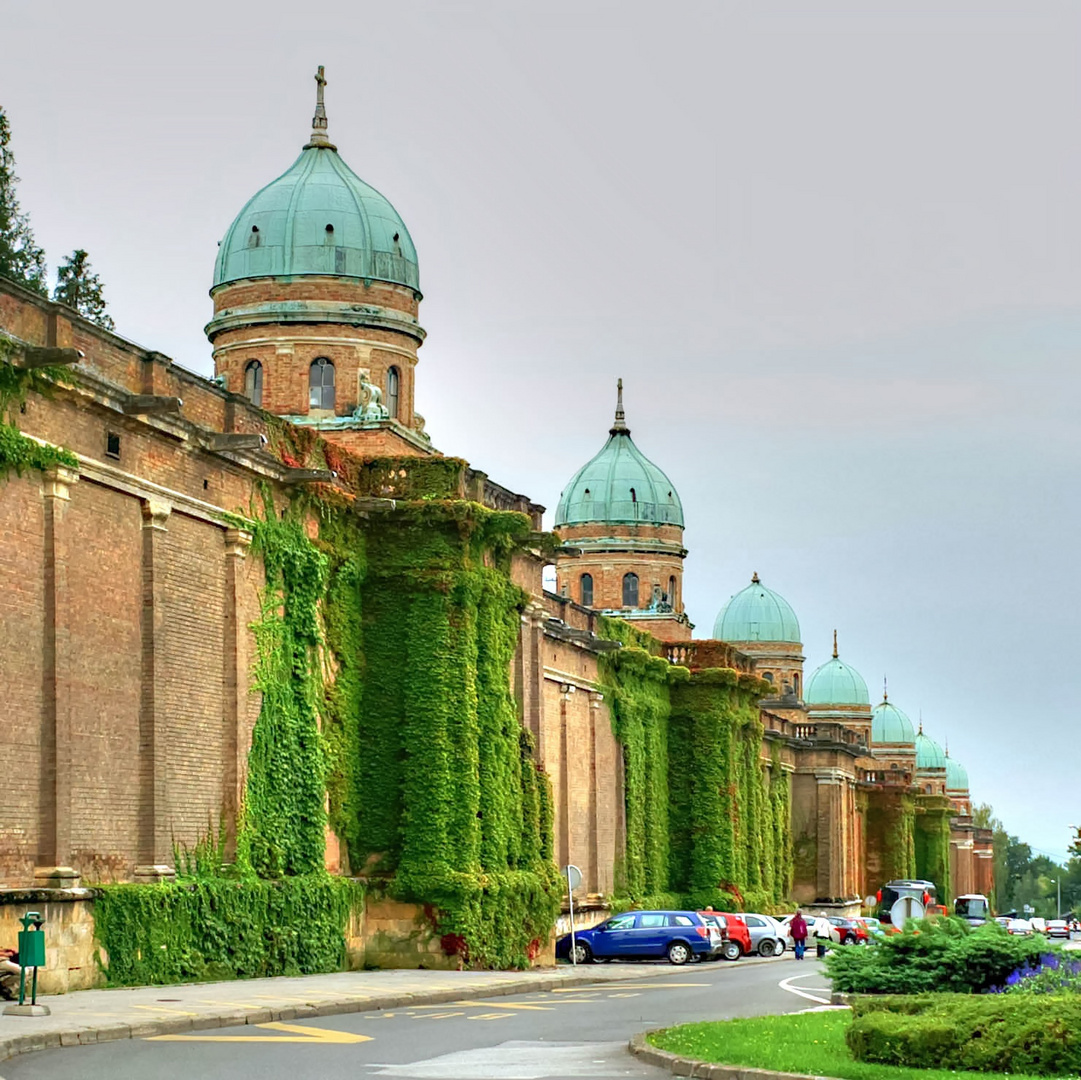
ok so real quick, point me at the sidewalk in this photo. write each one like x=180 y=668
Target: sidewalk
x=90 y=1016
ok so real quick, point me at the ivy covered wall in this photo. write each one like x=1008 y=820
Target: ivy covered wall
x=932 y=843
x=707 y=819
x=889 y=838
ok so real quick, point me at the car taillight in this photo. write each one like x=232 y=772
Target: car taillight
x=878 y=896
x=702 y=931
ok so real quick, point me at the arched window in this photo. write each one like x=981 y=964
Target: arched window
x=393 y=382
x=768 y=676
x=585 y=582
x=795 y=684
x=253 y=383
x=630 y=590
x=672 y=591
x=321 y=384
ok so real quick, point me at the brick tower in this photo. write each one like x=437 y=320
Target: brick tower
x=316 y=295
x=622 y=514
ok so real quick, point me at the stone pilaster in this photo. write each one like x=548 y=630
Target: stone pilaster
x=56 y=810
x=155 y=841
x=234 y=686
x=596 y=716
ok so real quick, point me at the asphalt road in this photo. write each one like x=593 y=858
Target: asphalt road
x=565 y=1033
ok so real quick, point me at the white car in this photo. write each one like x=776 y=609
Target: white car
x=1038 y=925
x=1058 y=928
x=1020 y=927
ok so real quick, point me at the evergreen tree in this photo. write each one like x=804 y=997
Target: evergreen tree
x=20 y=258
x=80 y=289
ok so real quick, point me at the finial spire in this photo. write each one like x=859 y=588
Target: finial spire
x=834 y=644
x=319 y=120
x=755 y=580
x=885 y=689
x=620 y=424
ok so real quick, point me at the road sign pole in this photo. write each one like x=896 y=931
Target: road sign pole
x=570 y=899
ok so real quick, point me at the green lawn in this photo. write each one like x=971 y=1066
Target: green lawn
x=802 y=1042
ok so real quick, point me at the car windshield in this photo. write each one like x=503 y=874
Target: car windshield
x=971 y=907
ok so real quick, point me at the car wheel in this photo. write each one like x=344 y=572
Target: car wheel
x=731 y=950
x=765 y=947
x=849 y=939
x=583 y=954
x=678 y=953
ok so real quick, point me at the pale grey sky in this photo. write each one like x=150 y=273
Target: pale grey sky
x=832 y=249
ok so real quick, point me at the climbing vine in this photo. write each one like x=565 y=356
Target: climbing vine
x=932 y=843
x=18 y=453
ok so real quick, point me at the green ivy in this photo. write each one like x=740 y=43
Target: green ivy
x=283 y=829
x=932 y=843
x=223 y=929
x=17 y=452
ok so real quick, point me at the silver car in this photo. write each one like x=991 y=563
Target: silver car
x=765 y=939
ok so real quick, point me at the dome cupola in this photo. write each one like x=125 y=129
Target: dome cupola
x=318 y=217
x=619 y=486
x=956 y=775
x=757 y=614
x=929 y=755
x=835 y=683
x=891 y=726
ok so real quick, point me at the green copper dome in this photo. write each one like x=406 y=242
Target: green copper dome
x=890 y=725
x=620 y=486
x=835 y=683
x=757 y=614
x=956 y=776
x=318 y=217
x=929 y=755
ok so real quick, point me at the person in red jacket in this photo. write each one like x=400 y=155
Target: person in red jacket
x=798 y=929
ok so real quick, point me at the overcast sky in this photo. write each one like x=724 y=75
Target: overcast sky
x=831 y=248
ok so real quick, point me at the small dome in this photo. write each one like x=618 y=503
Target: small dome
x=890 y=725
x=620 y=486
x=929 y=755
x=835 y=683
x=757 y=614
x=956 y=776
x=318 y=217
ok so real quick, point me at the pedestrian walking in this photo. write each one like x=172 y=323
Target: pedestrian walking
x=821 y=935
x=798 y=929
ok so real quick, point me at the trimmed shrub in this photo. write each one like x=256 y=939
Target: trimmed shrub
x=935 y=955
x=981 y=1034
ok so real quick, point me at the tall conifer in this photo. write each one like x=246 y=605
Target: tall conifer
x=77 y=287
x=20 y=258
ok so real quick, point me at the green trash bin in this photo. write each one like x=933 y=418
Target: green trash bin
x=32 y=941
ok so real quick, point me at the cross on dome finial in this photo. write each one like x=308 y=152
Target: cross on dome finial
x=885 y=689
x=834 y=644
x=620 y=424
x=319 y=120
x=755 y=580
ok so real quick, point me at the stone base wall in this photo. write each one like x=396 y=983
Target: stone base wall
x=70 y=948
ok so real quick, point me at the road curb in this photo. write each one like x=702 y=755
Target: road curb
x=681 y=1066
x=31 y=1042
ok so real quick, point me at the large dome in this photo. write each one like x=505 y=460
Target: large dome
x=757 y=614
x=929 y=755
x=835 y=683
x=956 y=776
x=890 y=725
x=318 y=217
x=620 y=486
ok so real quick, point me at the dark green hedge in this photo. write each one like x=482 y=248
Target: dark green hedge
x=992 y=1033
x=221 y=929
x=934 y=955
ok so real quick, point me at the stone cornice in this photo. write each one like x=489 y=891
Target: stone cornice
x=311 y=312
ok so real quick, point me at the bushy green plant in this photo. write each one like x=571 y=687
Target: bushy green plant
x=934 y=955
x=983 y=1034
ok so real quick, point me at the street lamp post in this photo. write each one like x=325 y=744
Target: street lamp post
x=1058 y=909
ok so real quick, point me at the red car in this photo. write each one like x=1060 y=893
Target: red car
x=738 y=936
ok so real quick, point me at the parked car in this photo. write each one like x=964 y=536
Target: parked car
x=1020 y=927
x=847 y=931
x=712 y=918
x=764 y=937
x=679 y=935
x=782 y=937
x=873 y=927
x=738 y=941
x=1058 y=928
x=1039 y=925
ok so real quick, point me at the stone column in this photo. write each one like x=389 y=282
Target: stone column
x=595 y=883
x=533 y=668
x=55 y=837
x=234 y=686
x=155 y=840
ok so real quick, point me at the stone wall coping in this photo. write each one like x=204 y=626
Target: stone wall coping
x=641 y=1048
x=34 y=895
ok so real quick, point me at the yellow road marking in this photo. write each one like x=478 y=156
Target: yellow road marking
x=490 y=1016
x=298 y=1033
x=438 y=1016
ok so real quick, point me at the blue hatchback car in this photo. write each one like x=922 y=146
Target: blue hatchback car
x=679 y=935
